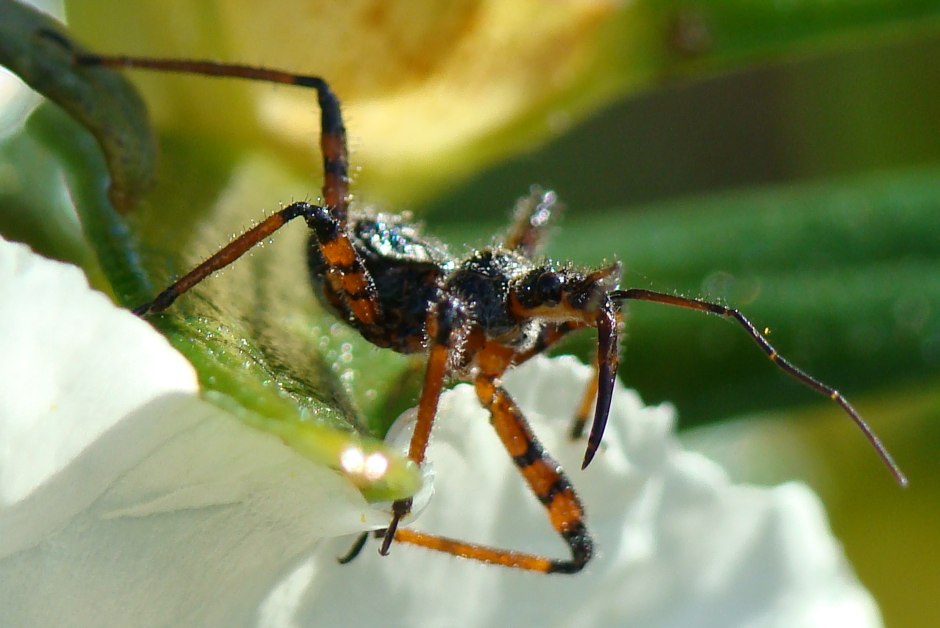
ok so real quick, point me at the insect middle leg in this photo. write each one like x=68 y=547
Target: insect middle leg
x=332 y=131
x=444 y=323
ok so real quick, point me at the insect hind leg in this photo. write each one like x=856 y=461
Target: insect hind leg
x=531 y=221
x=333 y=145
x=343 y=270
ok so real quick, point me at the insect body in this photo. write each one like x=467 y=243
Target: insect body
x=473 y=318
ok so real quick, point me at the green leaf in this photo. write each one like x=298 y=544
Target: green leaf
x=303 y=401
x=37 y=49
x=714 y=34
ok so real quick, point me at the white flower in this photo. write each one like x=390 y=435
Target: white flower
x=124 y=499
x=123 y=495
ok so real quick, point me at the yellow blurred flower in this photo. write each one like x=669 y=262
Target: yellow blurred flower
x=431 y=91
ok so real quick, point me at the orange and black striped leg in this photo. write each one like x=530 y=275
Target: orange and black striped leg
x=605 y=366
x=231 y=252
x=531 y=220
x=445 y=322
x=332 y=132
x=541 y=473
x=543 y=476
x=637 y=294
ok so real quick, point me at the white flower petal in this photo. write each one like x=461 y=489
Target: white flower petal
x=125 y=498
x=679 y=545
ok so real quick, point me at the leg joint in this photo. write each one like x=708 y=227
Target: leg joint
x=582 y=549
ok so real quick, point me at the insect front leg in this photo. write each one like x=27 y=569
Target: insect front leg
x=544 y=478
x=543 y=475
x=445 y=323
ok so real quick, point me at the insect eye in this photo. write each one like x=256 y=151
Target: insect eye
x=548 y=287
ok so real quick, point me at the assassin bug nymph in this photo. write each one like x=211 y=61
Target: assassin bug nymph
x=473 y=318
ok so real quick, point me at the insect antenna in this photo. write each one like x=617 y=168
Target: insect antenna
x=637 y=294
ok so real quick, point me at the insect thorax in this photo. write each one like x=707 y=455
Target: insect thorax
x=410 y=272
x=482 y=283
